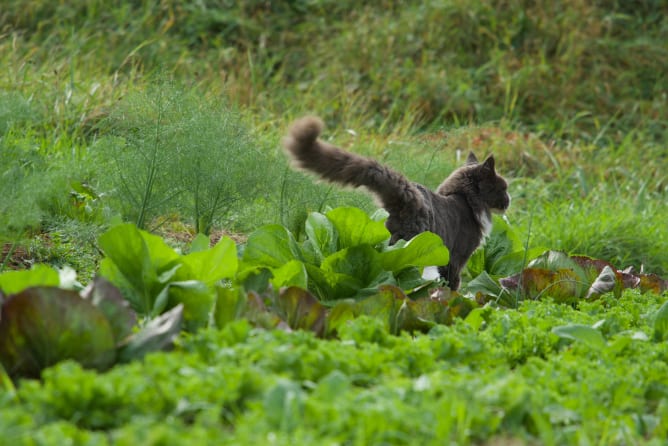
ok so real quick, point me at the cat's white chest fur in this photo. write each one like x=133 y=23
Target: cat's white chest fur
x=430 y=273
x=485 y=220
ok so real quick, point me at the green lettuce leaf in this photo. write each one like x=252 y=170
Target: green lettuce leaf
x=355 y=227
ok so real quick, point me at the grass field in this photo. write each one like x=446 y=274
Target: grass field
x=169 y=114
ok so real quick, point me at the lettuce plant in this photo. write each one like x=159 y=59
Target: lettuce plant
x=45 y=323
x=153 y=277
x=345 y=254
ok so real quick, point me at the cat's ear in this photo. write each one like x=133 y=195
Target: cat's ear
x=471 y=159
x=489 y=163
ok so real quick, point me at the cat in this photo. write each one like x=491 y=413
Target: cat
x=459 y=211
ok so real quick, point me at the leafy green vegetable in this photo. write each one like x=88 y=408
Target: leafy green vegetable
x=43 y=325
x=345 y=255
x=139 y=263
x=158 y=334
x=425 y=249
x=231 y=304
x=292 y=273
x=502 y=253
x=661 y=323
x=322 y=235
x=355 y=227
x=12 y=282
x=271 y=246
x=301 y=310
x=210 y=265
x=154 y=277
x=581 y=333
x=569 y=279
x=108 y=299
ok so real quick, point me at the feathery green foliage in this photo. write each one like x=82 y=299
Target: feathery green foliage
x=172 y=151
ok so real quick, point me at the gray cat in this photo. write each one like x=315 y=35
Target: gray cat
x=459 y=211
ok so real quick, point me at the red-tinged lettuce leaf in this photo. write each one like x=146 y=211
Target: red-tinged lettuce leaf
x=653 y=283
x=108 y=299
x=630 y=280
x=44 y=325
x=342 y=312
x=458 y=306
x=301 y=310
x=355 y=227
x=259 y=315
x=486 y=289
x=400 y=313
x=415 y=315
x=595 y=268
x=563 y=285
x=384 y=305
x=11 y=282
x=568 y=278
x=592 y=267
x=602 y=276
x=157 y=334
x=422 y=314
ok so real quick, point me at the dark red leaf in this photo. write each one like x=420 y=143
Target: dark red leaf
x=301 y=310
x=41 y=326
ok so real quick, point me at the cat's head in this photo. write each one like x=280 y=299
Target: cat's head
x=480 y=183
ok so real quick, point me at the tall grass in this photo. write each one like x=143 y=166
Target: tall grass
x=569 y=69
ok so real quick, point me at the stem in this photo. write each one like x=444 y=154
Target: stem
x=281 y=202
x=148 y=189
x=524 y=259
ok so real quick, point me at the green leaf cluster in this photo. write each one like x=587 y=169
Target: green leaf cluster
x=345 y=255
x=154 y=277
x=341 y=270
x=168 y=150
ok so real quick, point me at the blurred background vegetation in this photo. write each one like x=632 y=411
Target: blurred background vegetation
x=110 y=106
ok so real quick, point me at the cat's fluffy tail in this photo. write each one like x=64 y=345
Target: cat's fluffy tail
x=395 y=192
